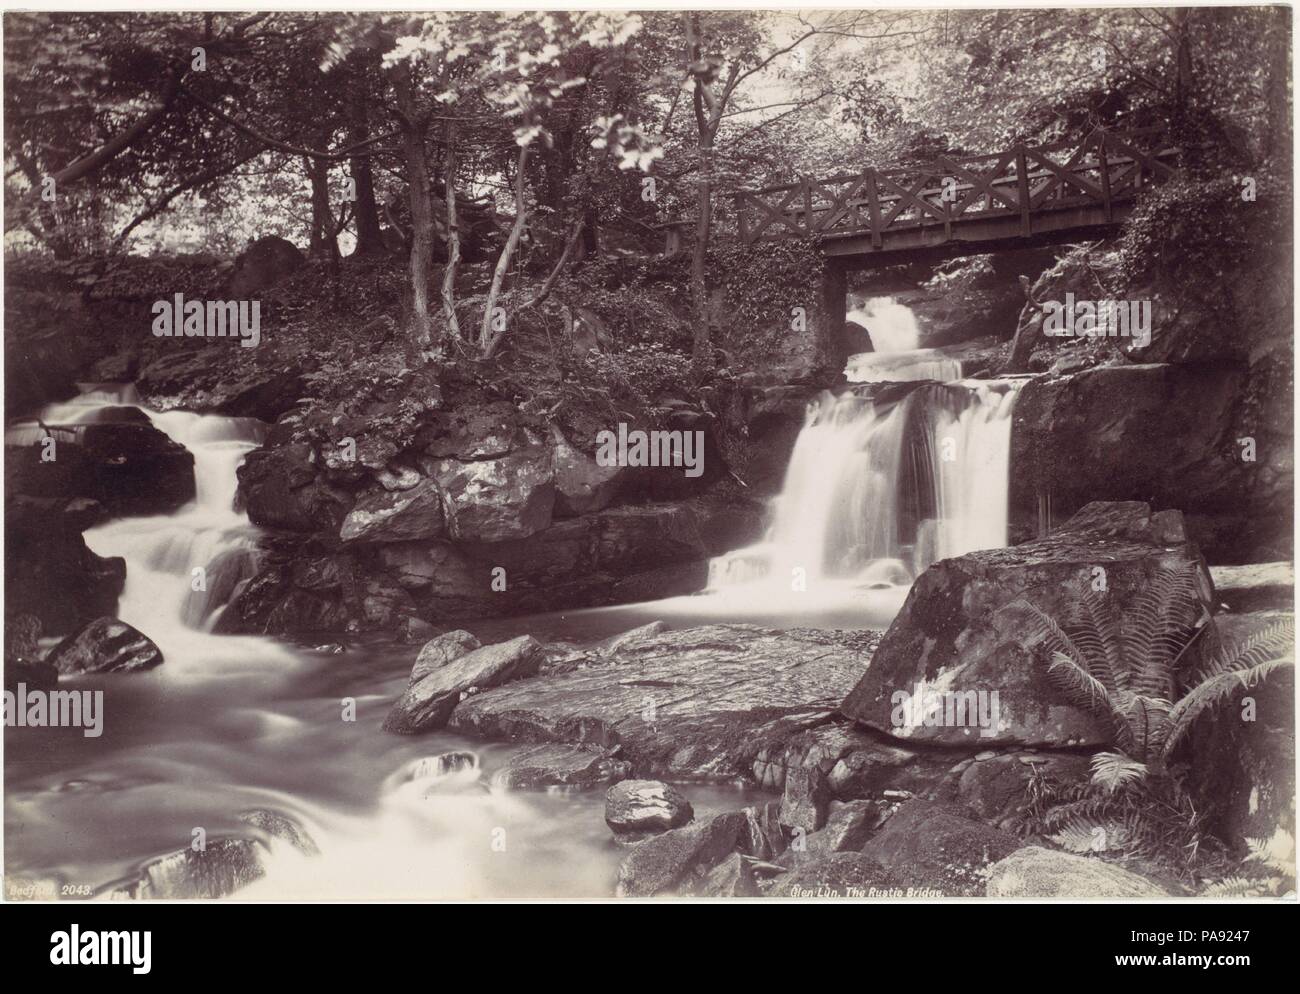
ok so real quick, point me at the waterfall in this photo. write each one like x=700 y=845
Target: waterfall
x=877 y=490
x=181 y=568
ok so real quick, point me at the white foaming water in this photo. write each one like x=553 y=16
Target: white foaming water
x=164 y=596
x=897 y=367
x=876 y=492
x=891 y=325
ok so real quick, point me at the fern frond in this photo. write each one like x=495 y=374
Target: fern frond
x=1113 y=770
x=1267 y=643
x=1098 y=635
x=1213 y=691
x=1160 y=625
x=1085 y=835
x=1241 y=887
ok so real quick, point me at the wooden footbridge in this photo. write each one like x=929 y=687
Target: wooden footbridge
x=1024 y=195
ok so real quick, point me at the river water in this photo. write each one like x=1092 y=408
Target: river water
x=233 y=723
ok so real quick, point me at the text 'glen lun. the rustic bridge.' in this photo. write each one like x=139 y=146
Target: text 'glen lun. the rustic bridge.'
x=1015 y=198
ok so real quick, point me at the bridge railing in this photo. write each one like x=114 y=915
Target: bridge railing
x=1104 y=169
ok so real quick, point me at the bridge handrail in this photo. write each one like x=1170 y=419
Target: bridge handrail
x=1105 y=167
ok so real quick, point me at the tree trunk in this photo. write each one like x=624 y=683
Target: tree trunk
x=453 y=237
x=321 y=220
x=488 y=339
x=370 y=239
x=702 y=346
x=417 y=183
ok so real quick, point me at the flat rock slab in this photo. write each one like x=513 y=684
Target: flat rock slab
x=427 y=702
x=1034 y=872
x=1255 y=586
x=693 y=704
x=554 y=765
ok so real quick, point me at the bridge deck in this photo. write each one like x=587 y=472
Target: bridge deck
x=1045 y=192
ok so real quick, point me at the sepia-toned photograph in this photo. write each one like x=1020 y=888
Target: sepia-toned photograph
x=668 y=454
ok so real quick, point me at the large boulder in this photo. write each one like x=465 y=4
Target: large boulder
x=49 y=570
x=426 y=704
x=637 y=808
x=1203 y=438
x=695 y=704
x=581 y=484
x=383 y=515
x=279 y=487
x=128 y=466
x=1243 y=753
x=262 y=264
x=1035 y=873
x=106 y=645
x=958 y=640
x=441 y=650
x=198 y=375
x=490 y=500
x=676 y=860
x=930 y=844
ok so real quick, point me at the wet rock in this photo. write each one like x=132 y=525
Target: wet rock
x=806 y=799
x=441 y=650
x=962 y=626
x=733 y=877
x=428 y=703
x=581 y=485
x=442 y=765
x=637 y=808
x=106 y=645
x=930 y=844
x=676 y=860
x=50 y=573
x=561 y=766
x=1034 y=873
x=277 y=825
x=1166 y=434
x=129 y=468
x=993 y=789
x=220 y=869
x=189 y=378
x=474 y=431
x=395 y=515
x=491 y=500
x=23 y=662
x=767 y=837
x=1243 y=753
x=629 y=640
x=691 y=704
x=848 y=827
x=1255 y=587
x=398 y=476
x=279 y=488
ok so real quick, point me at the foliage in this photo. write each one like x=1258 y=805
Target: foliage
x=1129 y=677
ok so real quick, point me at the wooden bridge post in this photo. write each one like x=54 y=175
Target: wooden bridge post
x=742 y=219
x=1022 y=186
x=807 y=206
x=873 y=208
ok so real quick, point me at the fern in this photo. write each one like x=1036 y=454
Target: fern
x=1113 y=770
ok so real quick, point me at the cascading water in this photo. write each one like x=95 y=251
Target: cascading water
x=232 y=723
x=182 y=568
x=878 y=490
